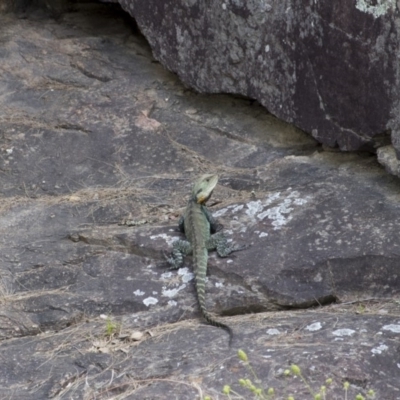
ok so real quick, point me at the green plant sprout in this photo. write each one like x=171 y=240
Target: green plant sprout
x=255 y=387
x=111 y=327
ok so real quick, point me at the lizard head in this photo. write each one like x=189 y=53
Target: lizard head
x=204 y=187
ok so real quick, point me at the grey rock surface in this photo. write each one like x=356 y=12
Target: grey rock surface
x=387 y=157
x=329 y=68
x=99 y=147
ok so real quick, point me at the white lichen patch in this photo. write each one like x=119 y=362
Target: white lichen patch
x=343 y=332
x=221 y=212
x=273 y=197
x=235 y=209
x=392 y=328
x=273 y=331
x=299 y=202
x=316 y=326
x=263 y=234
x=380 y=349
x=172 y=303
x=186 y=275
x=219 y=285
x=318 y=278
x=148 y=301
x=138 y=293
x=276 y=215
x=166 y=275
x=172 y=292
x=279 y=214
x=167 y=238
x=376 y=8
x=254 y=207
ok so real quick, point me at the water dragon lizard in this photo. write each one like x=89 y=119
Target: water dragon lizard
x=200 y=227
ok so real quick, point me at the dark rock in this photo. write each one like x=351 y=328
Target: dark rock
x=99 y=147
x=338 y=344
x=329 y=68
x=22 y=7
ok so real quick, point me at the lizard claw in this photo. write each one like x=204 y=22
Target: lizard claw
x=171 y=261
x=168 y=258
x=240 y=247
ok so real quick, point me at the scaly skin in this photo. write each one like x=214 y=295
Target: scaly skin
x=197 y=223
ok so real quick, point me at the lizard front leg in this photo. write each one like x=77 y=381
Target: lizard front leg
x=181 y=224
x=214 y=225
x=180 y=249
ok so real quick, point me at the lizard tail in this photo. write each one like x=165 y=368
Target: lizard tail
x=206 y=315
x=217 y=324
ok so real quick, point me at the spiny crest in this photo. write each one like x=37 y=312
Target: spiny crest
x=203 y=187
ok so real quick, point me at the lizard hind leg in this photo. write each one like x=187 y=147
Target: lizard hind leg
x=180 y=249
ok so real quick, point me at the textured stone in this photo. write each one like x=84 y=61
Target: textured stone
x=99 y=147
x=328 y=67
x=387 y=157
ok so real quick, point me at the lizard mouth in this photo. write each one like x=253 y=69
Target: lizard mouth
x=201 y=199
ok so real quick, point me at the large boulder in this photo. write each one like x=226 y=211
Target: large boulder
x=330 y=68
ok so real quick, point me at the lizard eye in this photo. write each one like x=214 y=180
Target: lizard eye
x=199 y=191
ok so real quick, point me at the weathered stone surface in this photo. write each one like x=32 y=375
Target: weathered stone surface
x=81 y=362
x=387 y=157
x=330 y=68
x=99 y=147
x=55 y=7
